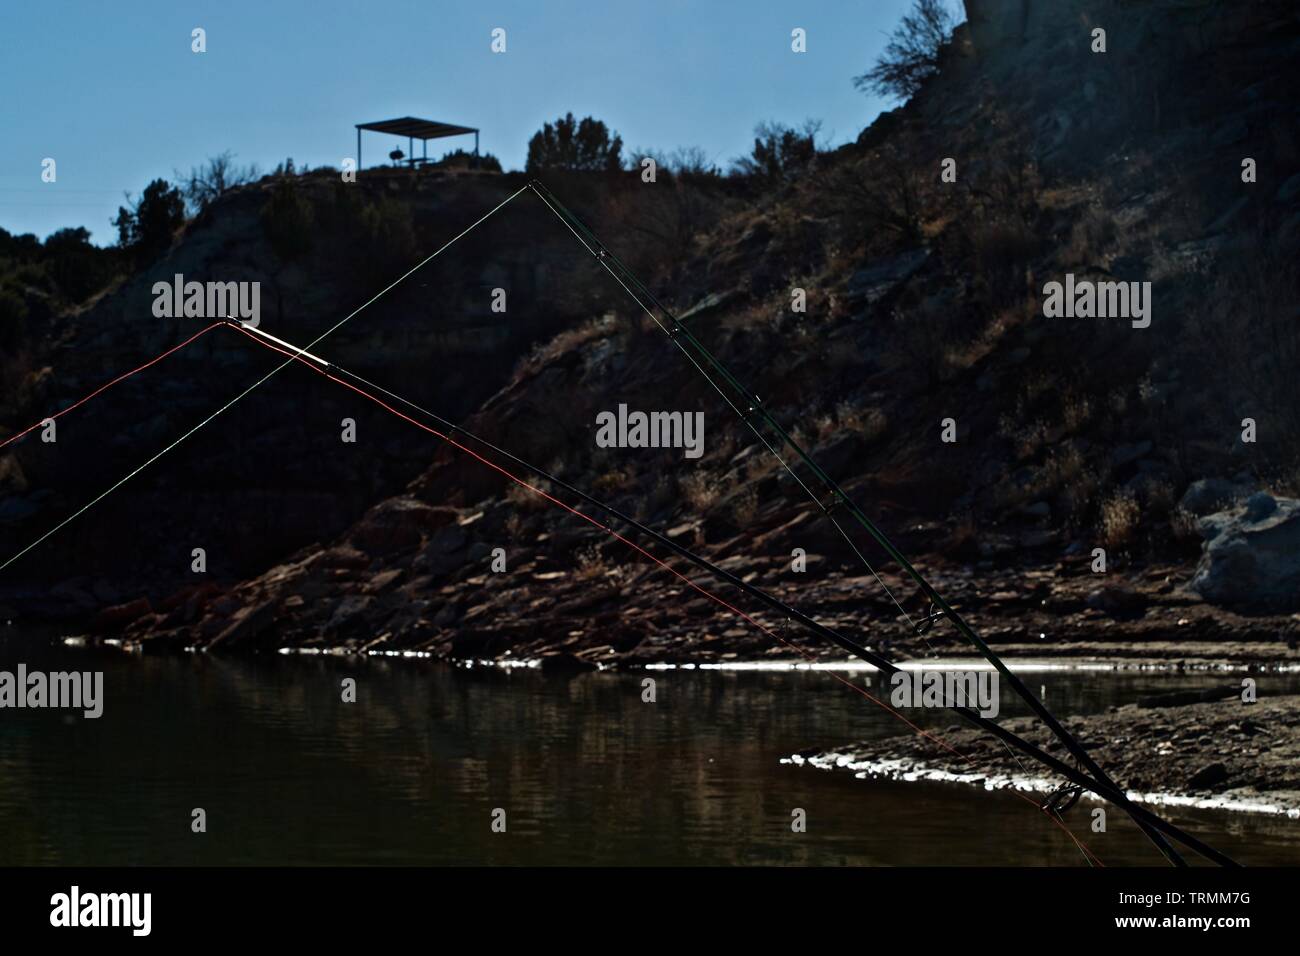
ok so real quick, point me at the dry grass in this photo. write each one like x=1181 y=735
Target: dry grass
x=700 y=490
x=1120 y=519
x=520 y=497
x=745 y=506
x=572 y=339
x=870 y=423
x=591 y=564
x=1064 y=472
x=614 y=480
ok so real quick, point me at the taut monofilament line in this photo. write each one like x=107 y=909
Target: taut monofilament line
x=1103 y=789
x=1009 y=739
x=264 y=379
x=1097 y=783
x=750 y=408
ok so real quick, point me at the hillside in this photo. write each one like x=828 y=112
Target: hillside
x=924 y=303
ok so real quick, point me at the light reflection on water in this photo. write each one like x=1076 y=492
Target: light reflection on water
x=587 y=772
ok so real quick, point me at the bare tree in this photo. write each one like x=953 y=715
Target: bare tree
x=207 y=183
x=912 y=54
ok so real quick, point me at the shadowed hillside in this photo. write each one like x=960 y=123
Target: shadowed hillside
x=924 y=303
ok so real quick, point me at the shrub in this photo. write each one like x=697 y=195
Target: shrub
x=779 y=151
x=147 y=226
x=570 y=144
x=912 y=55
x=77 y=268
x=463 y=159
x=288 y=221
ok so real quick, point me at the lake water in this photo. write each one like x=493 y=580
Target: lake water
x=586 y=771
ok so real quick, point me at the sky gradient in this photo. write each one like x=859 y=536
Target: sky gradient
x=114 y=94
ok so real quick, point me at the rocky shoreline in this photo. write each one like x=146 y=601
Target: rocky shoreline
x=417 y=577
x=1222 y=754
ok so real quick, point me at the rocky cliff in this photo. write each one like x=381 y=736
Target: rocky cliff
x=924 y=305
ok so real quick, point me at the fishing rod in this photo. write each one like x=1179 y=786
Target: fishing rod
x=1103 y=789
x=324 y=367
x=755 y=413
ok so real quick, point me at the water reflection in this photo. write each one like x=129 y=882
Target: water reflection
x=586 y=771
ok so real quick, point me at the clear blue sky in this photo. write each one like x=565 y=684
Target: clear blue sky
x=112 y=92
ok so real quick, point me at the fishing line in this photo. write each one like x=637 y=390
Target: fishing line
x=1073 y=773
x=326 y=370
x=680 y=331
x=322 y=366
x=265 y=378
x=1104 y=789
x=601 y=255
x=105 y=387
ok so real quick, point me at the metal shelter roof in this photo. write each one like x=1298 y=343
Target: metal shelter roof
x=415 y=128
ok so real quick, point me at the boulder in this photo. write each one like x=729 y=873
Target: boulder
x=247 y=626
x=565 y=663
x=1251 y=556
x=1207 y=495
x=873 y=283
x=1117 y=601
x=349 y=610
x=1208 y=777
x=710 y=303
x=397 y=525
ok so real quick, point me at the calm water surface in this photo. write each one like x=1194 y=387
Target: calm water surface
x=587 y=772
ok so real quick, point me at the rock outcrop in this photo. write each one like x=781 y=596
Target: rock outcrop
x=1251 y=559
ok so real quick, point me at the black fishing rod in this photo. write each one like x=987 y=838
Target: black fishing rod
x=755 y=411
x=1104 y=790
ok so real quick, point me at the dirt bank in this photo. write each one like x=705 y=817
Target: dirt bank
x=1223 y=753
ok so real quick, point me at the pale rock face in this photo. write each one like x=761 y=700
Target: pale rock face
x=1251 y=557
